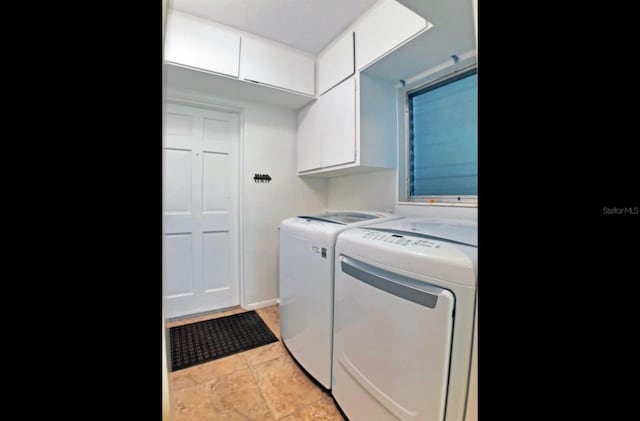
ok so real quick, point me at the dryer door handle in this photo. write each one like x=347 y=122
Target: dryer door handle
x=399 y=285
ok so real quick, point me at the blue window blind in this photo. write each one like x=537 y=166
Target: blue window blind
x=443 y=138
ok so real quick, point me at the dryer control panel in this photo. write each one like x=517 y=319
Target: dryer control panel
x=414 y=252
x=399 y=239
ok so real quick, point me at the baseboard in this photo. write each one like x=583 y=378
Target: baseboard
x=261 y=304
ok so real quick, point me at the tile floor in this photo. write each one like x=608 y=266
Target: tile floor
x=260 y=384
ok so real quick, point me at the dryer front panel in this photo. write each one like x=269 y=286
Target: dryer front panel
x=392 y=343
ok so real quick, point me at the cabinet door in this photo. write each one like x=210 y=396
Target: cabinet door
x=336 y=63
x=194 y=42
x=309 y=138
x=277 y=65
x=338 y=124
x=382 y=28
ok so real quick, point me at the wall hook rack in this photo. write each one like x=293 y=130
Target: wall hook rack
x=261 y=178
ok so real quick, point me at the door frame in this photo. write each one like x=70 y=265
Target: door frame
x=183 y=98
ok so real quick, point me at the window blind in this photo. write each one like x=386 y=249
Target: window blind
x=443 y=137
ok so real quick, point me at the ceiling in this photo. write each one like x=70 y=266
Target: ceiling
x=308 y=25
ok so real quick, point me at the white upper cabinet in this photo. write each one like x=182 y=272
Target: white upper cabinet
x=336 y=62
x=327 y=129
x=277 y=65
x=199 y=43
x=338 y=124
x=309 y=137
x=232 y=60
x=386 y=25
x=348 y=130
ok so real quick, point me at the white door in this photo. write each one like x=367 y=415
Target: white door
x=278 y=65
x=385 y=26
x=391 y=346
x=339 y=124
x=335 y=63
x=200 y=209
x=200 y=43
x=309 y=136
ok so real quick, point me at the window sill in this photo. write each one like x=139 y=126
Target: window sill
x=442 y=204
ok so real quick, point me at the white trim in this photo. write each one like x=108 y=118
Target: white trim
x=261 y=304
x=449 y=204
x=241 y=211
x=185 y=97
x=202 y=313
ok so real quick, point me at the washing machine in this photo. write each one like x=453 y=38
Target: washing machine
x=405 y=299
x=306 y=284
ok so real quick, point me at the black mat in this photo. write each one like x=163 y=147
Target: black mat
x=197 y=343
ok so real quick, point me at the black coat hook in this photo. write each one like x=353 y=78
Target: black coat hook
x=261 y=178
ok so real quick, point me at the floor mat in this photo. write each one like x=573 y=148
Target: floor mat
x=200 y=342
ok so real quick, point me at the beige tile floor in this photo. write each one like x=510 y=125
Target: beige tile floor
x=260 y=384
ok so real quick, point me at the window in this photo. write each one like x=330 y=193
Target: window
x=442 y=141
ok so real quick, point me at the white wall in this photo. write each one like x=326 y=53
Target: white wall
x=475 y=20
x=432 y=211
x=269 y=147
x=370 y=191
x=378 y=191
